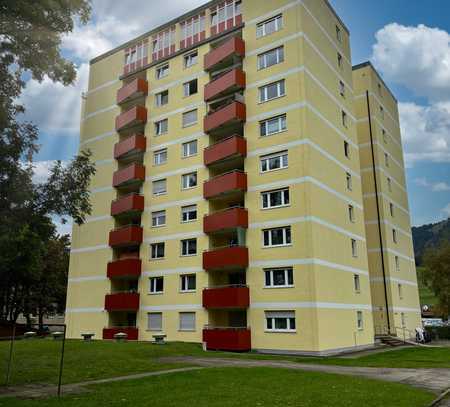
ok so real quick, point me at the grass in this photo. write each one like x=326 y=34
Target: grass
x=37 y=360
x=229 y=387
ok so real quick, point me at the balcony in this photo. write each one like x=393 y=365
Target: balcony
x=130 y=147
x=226 y=149
x=226 y=54
x=133 y=174
x=131 y=331
x=226 y=297
x=127 y=205
x=132 y=90
x=229 y=114
x=124 y=301
x=229 y=82
x=136 y=115
x=225 y=184
x=126 y=236
x=124 y=268
x=226 y=258
x=231 y=339
x=224 y=220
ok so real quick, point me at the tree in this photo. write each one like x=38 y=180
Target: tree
x=437 y=275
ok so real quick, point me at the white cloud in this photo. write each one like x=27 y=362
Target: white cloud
x=434 y=186
x=41 y=170
x=446 y=211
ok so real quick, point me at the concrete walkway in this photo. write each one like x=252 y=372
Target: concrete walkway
x=435 y=380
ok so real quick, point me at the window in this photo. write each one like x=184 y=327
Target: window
x=271 y=91
x=382 y=112
x=391 y=209
x=157 y=250
x=154 y=321
x=275 y=161
x=347 y=149
x=159 y=187
x=269 y=26
x=400 y=291
x=354 y=248
x=403 y=319
x=187 y=321
x=188 y=282
x=189 y=213
x=351 y=213
x=156 y=285
x=386 y=159
x=161 y=127
x=190 y=88
x=272 y=57
x=342 y=88
x=338 y=34
x=339 y=60
x=158 y=218
x=189 y=180
x=383 y=133
x=190 y=59
x=189 y=118
x=389 y=183
x=356 y=283
x=348 y=178
x=272 y=126
x=189 y=148
x=280 y=321
x=277 y=236
x=160 y=156
x=279 y=277
x=275 y=199
x=394 y=235
x=162 y=98
x=359 y=320
x=189 y=247
x=344 y=119
x=397 y=263
x=380 y=92
x=162 y=71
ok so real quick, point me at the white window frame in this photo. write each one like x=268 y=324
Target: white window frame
x=187 y=88
x=158 y=219
x=354 y=247
x=339 y=60
x=359 y=320
x=347 y=149
x=160 y=327
x=186 y=180
x=263 y=91
x=159 y=98
x=162 y=192
x=342 y=89
x=344 y=119
x=187 y=149
x=288 y=272
x=164 y=69
x=187 y=210
x=282 y=191
x=184 y=283
x=348 y=178
x=389 y=183
x=156 y=246
x=281 y=123
x=397 y=263
x=160 y=156
x=400 y=291
x=338 y=33
x=180 y=323
x=394 y=236
x=153 y=285
x=391 y=209
x=185 y=247
x=189 y=58
x=261 y=28
x=351 y=213
x=289 y=316
x=263 y=58
x=265 y=160
x=185 y=114
x=159 y=127
x=286 y=233
x=357 y=283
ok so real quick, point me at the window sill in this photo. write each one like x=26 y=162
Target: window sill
x=189 y=188
x=162 y=193
x=189 y=125
x=280 y=331
x=189 y=156
x=188 y=255
x=189 y=221
x=269 y=100
x=273 y=134
x=278 y=245
x=158 y=258
x=158 y=293
x=187 y=291
x=187 y=330
x=275 y=207
x=157 y=226
x=278 y=286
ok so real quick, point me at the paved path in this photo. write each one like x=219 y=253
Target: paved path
x=435 y=380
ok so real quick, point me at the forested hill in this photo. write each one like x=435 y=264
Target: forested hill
x=430 y=235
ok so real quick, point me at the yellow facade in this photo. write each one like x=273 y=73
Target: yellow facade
x=328 y=307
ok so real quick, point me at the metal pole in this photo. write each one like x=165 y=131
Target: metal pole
x=61 y=362
x=11 y=346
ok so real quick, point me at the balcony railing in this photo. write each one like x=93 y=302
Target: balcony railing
x=231 y=182
x=227 y=53
x=225 y=149
x=133 y=174
x=129 y=268
x=126 y=236
x=232 y=296
x=138 y=87
x=128 y=204
x=136 y=115
x=231 y=81
x=227 y=338
x=226 y=219
x=131 y=146
x=131 y=331
x=226 y=258
x=231 y=113
x=123 y=301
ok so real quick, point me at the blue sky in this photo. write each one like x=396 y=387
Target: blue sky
x=407 y=41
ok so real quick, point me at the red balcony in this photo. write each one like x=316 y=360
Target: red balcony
x=131 y=331
x=226 y=297
x=134 y=173
x=232 y=339
x=229 y=114
x=124 y=268
x=228 y=148
x=126 y=236
x=131 y=146
x=226 y=258
x=231 y=81
x=224 y=54
x=128 y=204
x=132 y=90
x=226 y=219
x=125 y=301
x=231 y=182
x=136 y=115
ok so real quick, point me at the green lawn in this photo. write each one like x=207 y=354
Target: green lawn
x=229 y=387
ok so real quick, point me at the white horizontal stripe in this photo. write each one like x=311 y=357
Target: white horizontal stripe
x=174 y=236
x=381 y=169
x=177 y=82
x=273 y=13
x=104 y=162
x=174 y=307
x=382 y=195
x=394 y=252
x=386 y=222
x=405 y=309
x=393 y=280
x=100 y=111
x=173 y=112
x=175 y=172
x=184 y=139
x=309 y=304
x=171 y=204
x=167 y=272
x=89 y=249
x=98 y=218
x=89 y=278
x=274 y=44
x=102 y=86
x=80 y=310
x=96 y=138
x=101 y=189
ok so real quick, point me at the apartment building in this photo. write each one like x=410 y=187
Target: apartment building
x=229 y=203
